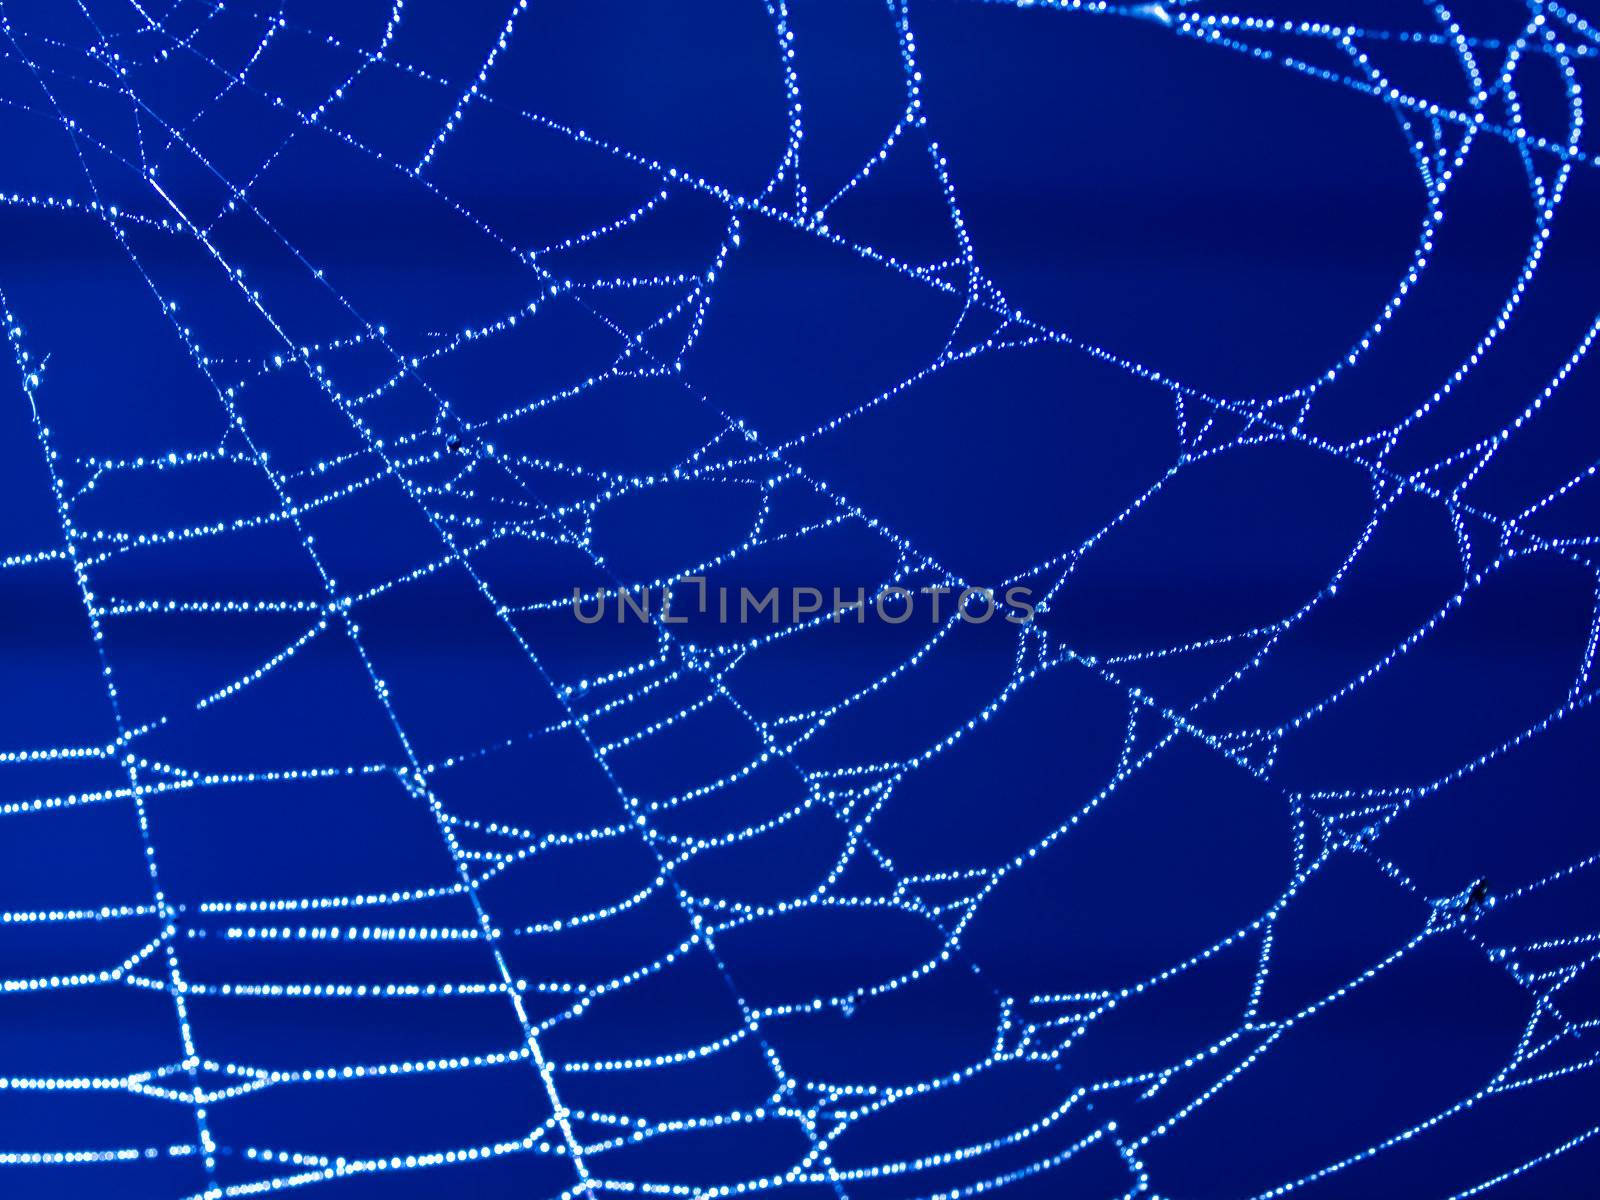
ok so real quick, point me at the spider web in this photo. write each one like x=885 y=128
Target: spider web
x=349 y=340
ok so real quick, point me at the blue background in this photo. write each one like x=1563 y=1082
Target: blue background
x=345 y=348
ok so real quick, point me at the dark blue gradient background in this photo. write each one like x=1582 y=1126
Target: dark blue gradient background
x=1018 y=891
